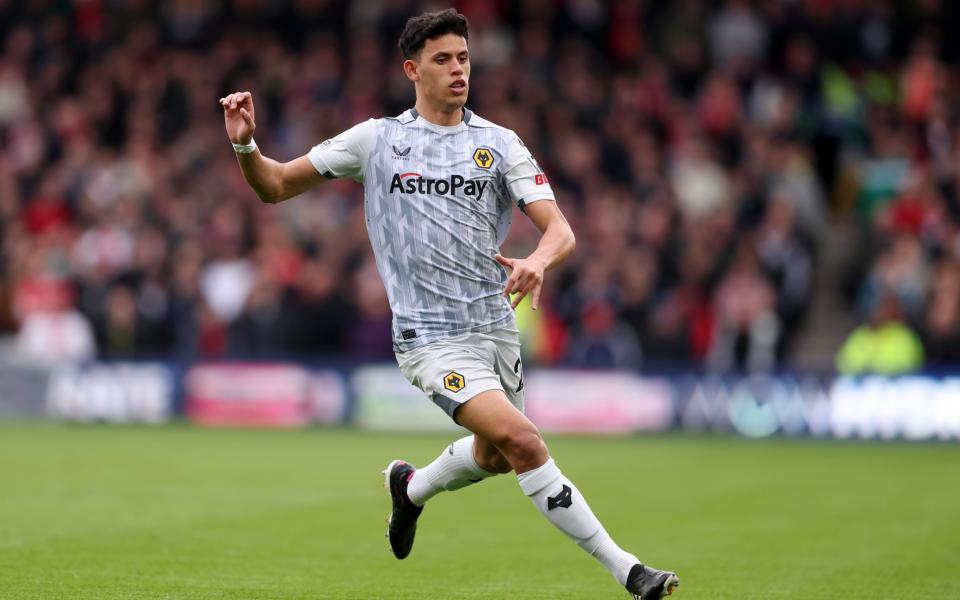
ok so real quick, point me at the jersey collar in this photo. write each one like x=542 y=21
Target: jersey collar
x=467 y=113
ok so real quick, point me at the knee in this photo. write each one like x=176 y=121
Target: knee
x=490 y=459
x=524 y=449
x=495 y=463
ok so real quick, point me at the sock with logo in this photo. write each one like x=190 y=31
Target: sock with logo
x=455 y=468
x=561 y=503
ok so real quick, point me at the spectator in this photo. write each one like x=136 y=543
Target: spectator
x=601 y=340
x=226 y=283
x=119 y=333
x=901 y=270
x=785 y=257
x=261 y=329
x=638 y=278
x=747 y=325
x=319 y=313
x=370 y=336
x=885 y=345
x=680 y=325
x=56 y=333
x=738 y=36
x=942 y=315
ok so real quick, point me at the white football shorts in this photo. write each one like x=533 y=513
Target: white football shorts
x=452 y=370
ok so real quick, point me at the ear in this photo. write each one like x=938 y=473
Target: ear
x=411 y=70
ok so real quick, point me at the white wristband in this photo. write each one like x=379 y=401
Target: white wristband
x=245 y=148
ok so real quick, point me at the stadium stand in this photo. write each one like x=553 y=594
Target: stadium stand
x=703 y=151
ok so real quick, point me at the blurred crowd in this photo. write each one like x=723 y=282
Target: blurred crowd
x=699 y=148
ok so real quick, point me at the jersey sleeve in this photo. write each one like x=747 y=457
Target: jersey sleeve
x=524 y=180
x=346 y=154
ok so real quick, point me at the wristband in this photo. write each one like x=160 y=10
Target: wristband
x=245 y=148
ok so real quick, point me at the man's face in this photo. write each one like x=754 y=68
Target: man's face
x=443 y=70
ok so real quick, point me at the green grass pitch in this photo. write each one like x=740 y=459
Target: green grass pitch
x=177 y=512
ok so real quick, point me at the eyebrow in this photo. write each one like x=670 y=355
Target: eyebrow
x=440 y=53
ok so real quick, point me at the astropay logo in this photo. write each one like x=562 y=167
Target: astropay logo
x=414 y=183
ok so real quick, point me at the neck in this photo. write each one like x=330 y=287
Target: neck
x=447 y=115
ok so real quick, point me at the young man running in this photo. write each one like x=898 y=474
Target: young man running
x=439 y=184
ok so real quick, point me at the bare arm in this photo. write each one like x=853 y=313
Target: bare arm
x=272 y=181
x=556 y=243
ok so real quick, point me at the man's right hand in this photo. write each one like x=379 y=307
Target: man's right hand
x=238 y=117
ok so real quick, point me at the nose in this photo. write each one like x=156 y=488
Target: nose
x=457 y=68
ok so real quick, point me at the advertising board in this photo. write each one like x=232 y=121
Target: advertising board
x=112 y=392
x=263 y=395
x=385 y=400
x=23 y=390
x=611 y=403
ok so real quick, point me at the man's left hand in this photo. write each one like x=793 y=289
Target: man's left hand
x=526 y=278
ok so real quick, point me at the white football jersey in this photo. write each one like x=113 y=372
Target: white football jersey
x=438 y=204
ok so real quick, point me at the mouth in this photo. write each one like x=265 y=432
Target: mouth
x=459 y=86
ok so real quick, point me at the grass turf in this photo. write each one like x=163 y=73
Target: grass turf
x=177 y=512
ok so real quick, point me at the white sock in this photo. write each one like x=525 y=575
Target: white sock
x=562 y=504
x=455 y=468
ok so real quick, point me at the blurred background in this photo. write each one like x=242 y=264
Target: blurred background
x=765 y=197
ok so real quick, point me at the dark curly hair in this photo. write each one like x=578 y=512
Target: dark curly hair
x=429 y=26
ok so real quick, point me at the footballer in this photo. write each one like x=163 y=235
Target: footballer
x=439 y=186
